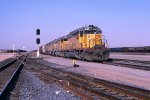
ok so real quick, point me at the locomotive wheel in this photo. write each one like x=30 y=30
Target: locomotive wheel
x=97 y=57
x=88 y=56
x=77 y=54
x=66 y=55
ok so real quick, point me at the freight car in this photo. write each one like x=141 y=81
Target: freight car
x=131 y=49
x=83 y=43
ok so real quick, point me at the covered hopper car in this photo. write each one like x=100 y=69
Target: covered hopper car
x=83 y=43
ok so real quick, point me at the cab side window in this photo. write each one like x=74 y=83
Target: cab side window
x=81 y=33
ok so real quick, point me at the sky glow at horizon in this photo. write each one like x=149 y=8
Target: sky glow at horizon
x=123 y=22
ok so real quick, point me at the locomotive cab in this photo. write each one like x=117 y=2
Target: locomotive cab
x=91 y=37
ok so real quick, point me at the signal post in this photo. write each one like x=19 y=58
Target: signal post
x=38 y=41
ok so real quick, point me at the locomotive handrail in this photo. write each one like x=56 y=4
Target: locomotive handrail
x=105 y=41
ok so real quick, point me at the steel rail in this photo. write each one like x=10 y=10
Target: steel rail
x=128 y=91
x=85 y=88
x=7 y=64
x=5 y=90
x=135 y=64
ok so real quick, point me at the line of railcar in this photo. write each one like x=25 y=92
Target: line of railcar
x=83 y=43
x=131 y=49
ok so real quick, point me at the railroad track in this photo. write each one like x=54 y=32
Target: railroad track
x=136 y=64
x=92 y=88
x=5 y=63
x=9 y=71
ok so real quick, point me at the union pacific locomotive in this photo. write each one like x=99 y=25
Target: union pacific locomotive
x=83 y=43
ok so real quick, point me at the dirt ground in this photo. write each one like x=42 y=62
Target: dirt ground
x=133 y=77
x=4 y=56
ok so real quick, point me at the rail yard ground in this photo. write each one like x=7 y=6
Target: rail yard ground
x=31 y=86
x=134 y=77
x=4 y=56
x=35 y=83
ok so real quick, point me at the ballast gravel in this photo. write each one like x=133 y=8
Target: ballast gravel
x=30 y=87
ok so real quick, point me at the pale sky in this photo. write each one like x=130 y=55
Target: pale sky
x=123 y=22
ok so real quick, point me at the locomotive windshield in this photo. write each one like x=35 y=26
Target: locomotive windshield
x=91 y=29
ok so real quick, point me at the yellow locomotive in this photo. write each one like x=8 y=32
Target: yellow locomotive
x=83 y=43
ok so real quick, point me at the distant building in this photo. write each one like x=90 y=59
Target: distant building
x=2 y=51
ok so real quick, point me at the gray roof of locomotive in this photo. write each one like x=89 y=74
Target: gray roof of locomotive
x=75 y=32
